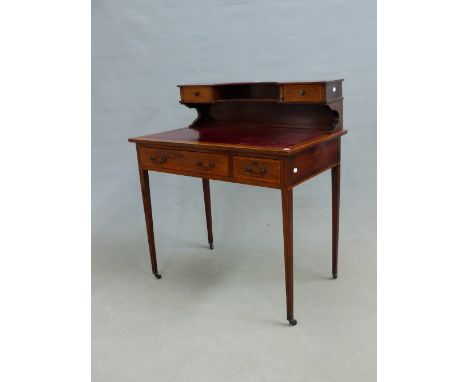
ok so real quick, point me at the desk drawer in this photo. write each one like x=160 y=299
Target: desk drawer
x=187 y=161
x=264 y=170
x=196 y=94
x=314 y=160
x=303 y=93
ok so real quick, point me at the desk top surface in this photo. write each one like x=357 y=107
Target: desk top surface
x=272 y=138
x=262 y=83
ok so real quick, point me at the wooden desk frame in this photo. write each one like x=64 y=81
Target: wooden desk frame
x=213 y=147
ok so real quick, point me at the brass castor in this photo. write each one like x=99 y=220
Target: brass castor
x=211 y=246
x=335 y=275
x=157 y=275
x=292 y=322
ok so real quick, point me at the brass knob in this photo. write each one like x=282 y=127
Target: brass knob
x=196 y=93
x=161 y=159
x=301 y=92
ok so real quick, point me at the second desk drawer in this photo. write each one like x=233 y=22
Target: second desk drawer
x=264 y=170
x=188 y=161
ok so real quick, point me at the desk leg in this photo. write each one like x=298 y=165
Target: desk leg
x=146 y=194
x=207 y=197
x=287 y=203
x=335 y=217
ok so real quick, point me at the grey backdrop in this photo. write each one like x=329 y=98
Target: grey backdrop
x=220 y=315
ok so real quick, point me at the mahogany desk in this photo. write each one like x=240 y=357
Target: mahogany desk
x=266 y=134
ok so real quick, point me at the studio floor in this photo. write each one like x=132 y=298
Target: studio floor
x=220 y=315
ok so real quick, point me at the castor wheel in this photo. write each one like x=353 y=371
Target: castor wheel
x=292 y=322
x=211 y=246
x=335 y=275
x=157 y=275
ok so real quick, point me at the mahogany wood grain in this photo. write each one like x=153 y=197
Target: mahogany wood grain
x=333 y=90
x=270 y=134
x=337 y=107
x=196 y=94
x=207 y=199
x=313 y=91
x=196 y=162
x=267 y=114
x=303 y=93
x=335 y=217
x=287 y=205
x=266 y=170
x=309 y=162
x=146 y=195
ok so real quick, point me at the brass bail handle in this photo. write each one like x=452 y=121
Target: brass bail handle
x=159 y=159
x=250 y=169
x=208 y=167
x=301 y=92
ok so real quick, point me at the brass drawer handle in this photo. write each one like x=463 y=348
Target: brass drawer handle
x=159 y=159
x=250 y=169
x=201 y=165
x=301 y=92
x=196 y=93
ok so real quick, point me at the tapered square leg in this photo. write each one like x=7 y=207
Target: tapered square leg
x=335 y=218
x=146 y=195
x=287 y=204
x=207 y=198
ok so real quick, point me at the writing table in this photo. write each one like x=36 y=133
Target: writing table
x=267 y=134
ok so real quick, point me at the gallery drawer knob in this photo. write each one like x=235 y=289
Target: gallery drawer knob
x=196 y=93
x=159 y=159
x=208 y=167
x=301 y=91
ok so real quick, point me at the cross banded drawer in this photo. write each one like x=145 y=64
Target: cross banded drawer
x=186 y=161
x=196 y=94
x=303 y=93
x=265 y=170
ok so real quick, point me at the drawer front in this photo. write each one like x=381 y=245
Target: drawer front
x=303 y=93
x=264 y=170
x=187 y=161
x=196 y=94
x=314 y=160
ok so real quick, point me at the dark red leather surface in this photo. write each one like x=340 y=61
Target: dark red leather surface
x=280 y=137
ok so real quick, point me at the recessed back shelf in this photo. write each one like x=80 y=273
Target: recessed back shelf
x=247 y=92
x=253 y=100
